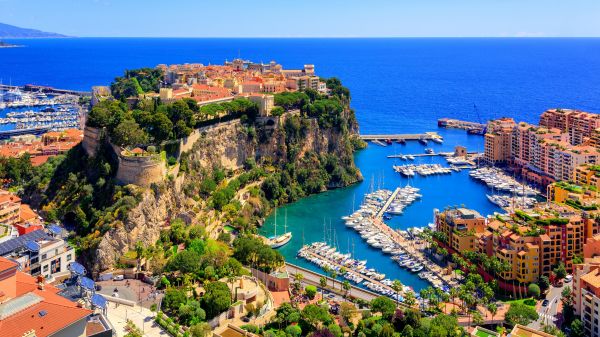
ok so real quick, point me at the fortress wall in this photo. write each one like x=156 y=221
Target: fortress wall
x=91 y=140
x=141 y=171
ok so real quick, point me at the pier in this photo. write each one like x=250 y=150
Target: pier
x=387 y=203
x=45 y=89
x=443 y=154
x=450 y=123
x=414 y=136
x=19 y=132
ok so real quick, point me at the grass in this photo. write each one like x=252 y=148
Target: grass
x=483 y=334
x=521 y=301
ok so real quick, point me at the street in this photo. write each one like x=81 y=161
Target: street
x=548 y=313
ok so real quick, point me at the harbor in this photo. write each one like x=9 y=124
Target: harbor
x=305 y=218
x=31 y=112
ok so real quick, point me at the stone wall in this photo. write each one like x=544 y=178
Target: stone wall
x=91 y=140
x=141 y=171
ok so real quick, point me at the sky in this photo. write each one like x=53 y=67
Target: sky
x=307 y=18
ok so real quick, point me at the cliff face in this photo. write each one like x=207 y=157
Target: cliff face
x=228 y=146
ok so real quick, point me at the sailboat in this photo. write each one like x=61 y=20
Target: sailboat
x=279 y=241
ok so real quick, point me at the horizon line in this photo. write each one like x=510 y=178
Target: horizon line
x=305 y=37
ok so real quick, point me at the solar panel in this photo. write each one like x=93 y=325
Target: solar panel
x=99 y=301
x=76 y=268
x=86 y=283
x=55 y=229
x=12 y=245
x=32 y=246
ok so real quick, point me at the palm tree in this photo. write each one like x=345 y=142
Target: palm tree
x=397 y=286
x=333 y=276
x=323 y=282
x=346 y=285
x=493 y=309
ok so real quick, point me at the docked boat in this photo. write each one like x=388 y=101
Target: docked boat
x=277 y=241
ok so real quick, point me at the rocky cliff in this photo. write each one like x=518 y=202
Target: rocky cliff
x=227 y=146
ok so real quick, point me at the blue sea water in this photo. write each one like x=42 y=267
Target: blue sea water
x=397 y=86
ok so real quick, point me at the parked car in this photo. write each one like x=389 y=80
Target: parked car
x=246 y=319
x=569 y=278
x=118 y=278
x=545 y=303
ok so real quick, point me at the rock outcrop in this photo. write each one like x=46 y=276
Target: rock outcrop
x=227 y=145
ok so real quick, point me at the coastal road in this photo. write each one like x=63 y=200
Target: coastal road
x=313 y=278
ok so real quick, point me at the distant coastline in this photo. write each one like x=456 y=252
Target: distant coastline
x=9 y=45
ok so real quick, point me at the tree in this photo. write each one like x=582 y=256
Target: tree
x=202 y=329
x=560 y=271
x=567 y=299
x=519 y=313
x=386 y=330
x=310 y=291
x=128 y=133
x=544 y=282
x=384 y=305
x=397 y=287
x=216 y=299
x=492 y=308
x=346 y=286
x=347 y=311
x=293 y=330
x=186 y=261
x=174 y=298
x=409 y=298
x=315 y=316
x=534 y=290
x=577 y=329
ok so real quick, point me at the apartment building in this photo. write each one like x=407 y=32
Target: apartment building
x=587 y=175
x=10 y=208
x=40 y=253
x=461 y=226
x=498 y=141
x=586 y=291
x=531 y=248
x=577 y=124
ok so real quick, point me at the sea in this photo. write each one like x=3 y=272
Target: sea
x=397 y=86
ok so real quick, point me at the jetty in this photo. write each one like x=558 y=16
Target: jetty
x=387 y=203
x=450 y=123
x=45 y=89
x=443 y=154
x=405 y=137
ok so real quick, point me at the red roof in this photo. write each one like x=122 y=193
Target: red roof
x=51 y=314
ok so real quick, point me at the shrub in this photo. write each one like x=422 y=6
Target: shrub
x=310 y=291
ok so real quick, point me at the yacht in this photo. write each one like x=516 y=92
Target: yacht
x=279 y=241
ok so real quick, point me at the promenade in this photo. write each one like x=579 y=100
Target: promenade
x=313 y=278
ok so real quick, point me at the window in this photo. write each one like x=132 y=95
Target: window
x=44 y=256
x=69 y=257
x=45 y=268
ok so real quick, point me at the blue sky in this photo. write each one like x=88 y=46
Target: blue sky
x=307 y=18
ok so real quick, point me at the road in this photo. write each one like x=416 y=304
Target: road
x=548 y=314
x=313 y=278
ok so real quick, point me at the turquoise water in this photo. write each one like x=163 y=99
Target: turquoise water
x=305 y=218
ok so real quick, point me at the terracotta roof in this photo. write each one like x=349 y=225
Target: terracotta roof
x=52 y=314
x=27 y=213
x=592 y=278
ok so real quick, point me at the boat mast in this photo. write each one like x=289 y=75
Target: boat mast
x=285 y=222
x=275 y=223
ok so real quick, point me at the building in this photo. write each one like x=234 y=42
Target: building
x=265 y=102
x=587 y=175
x=460 y=227
x=10 y=208
x=525 y=331
x=531 y=246
x=578 y=124
x=498 y=141
x=40 y=253
x=30 y=307
x=546 y=153
x=40 y=149
x=586 y=293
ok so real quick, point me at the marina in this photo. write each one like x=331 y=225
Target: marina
x=423 y=169
x=306 y=217
x=497 y=180
x=26 y=111
x=368 y=223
